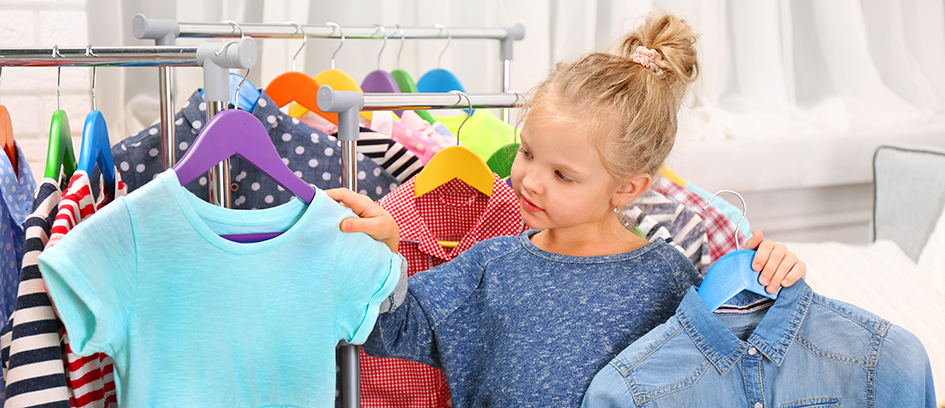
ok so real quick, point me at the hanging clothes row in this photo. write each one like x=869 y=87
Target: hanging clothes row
x=35 y=370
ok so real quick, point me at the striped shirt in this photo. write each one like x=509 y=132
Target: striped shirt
x=658 y=216
x=389 y=154
x=32 y=357
x=34 y=341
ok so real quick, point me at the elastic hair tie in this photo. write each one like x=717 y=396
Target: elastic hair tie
x=647 y=58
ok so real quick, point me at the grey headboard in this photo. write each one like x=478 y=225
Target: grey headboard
x=909 y=193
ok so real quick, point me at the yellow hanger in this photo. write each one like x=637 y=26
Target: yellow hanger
x=455 y=162
x=672 y=176
x=337 y=79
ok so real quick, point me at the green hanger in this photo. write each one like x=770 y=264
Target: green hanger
x=501 y=161
x=406 y=85
x=60 y=154
x=405 y=82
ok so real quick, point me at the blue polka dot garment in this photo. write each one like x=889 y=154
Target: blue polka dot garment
x=16 y=203
x=309 y=153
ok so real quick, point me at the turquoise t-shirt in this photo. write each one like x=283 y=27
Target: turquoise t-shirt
x=193 y=319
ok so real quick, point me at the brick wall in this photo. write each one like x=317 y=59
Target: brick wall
x=29 y=93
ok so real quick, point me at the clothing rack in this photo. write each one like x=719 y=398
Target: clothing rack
x=215 y=58
x=165 y=32
x=347 y=104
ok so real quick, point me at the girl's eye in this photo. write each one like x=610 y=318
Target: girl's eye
x=524 y=152
x=561 y=177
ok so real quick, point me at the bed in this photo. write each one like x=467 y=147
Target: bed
x=900 y=276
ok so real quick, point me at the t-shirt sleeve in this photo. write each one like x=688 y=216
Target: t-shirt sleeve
x=367 y=275
x=91 y=277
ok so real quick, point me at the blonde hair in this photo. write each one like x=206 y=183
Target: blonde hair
x=631 y=110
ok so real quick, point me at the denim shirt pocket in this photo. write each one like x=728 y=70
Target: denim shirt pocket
x=813 y=403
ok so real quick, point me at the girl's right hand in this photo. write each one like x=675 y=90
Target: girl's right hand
x=374 y=220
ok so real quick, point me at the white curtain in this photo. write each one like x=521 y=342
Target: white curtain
x=770 y=69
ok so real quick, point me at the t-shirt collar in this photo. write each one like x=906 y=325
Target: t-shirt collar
x=772 y=337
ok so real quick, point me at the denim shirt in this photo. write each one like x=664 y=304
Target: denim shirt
x=512 y=325
x=805 y=350
x=310 y=154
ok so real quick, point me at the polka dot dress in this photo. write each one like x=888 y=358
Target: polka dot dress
x=309 y=153
x=16 y=203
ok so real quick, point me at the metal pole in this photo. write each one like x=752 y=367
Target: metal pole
x=408 y=101
x=103 y=56
x=262 y=30
x=217 y=61
x=506 y=70
x=168 y=138
x=347 y=105
x=220 y=174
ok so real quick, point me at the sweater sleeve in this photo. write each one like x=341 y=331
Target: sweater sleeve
x=408 y=332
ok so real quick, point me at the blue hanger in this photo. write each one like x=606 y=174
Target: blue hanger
x=732 y=273
x=96 y=148
x=439 y=79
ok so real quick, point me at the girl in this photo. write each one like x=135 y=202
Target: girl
x=528 y=320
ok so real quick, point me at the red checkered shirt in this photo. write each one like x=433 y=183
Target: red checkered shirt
x=719 y=229
x=451 y=212
x=91 y=379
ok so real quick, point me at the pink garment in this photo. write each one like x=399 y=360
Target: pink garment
x=421 y=146
x=317 y=122
x=414 y=121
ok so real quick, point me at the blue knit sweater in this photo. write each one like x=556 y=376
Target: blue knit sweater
x=514 y=326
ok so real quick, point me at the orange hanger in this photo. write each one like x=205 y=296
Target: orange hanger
x=295 y=86
x=6 y=136
x=337 y=79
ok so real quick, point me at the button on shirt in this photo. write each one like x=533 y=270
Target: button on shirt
x=805 y=350
x=16 y=202
x=453 y=212
x=311 y=154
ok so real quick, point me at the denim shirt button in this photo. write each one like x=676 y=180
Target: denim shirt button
x=752 y=351
x=758 y=404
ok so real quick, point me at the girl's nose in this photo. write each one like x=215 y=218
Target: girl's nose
x=531 y=183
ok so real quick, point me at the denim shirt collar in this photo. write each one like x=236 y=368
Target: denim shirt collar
x=772 y=337
x=194 y=111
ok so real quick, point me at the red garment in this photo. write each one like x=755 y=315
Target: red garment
x=719 y=229
x=451 y=212
x=91 y=380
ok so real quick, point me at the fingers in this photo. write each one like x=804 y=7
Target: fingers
x=755 y=240
x=777 y=266
x=372 y=219
x=366 y=225
x=362 y=205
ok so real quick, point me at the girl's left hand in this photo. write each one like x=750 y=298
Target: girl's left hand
x=778 y=266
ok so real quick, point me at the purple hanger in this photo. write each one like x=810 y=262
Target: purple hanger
x=239 y=132
x=380 y=81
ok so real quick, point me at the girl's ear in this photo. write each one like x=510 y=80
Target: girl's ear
x=631 y=189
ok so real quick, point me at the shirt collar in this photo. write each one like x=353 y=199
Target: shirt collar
x=500 y=218
x=195 y=112
x=772 y=337
x=17 y=191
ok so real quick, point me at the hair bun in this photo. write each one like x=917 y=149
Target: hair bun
x=674 y=42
